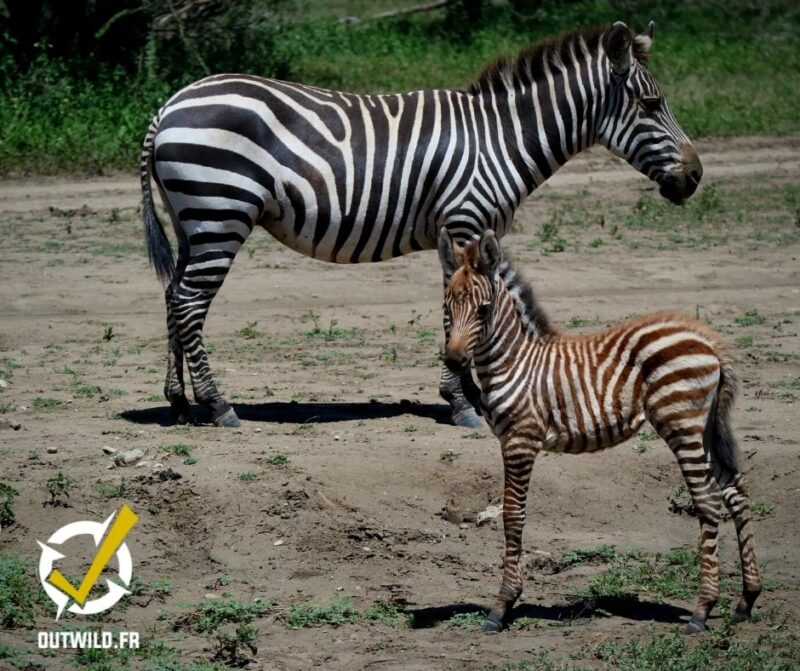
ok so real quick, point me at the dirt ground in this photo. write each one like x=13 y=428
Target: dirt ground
x=378 y=498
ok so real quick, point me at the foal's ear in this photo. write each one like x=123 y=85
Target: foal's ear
x=447 y=253
x=490 y=253
x=617 y=43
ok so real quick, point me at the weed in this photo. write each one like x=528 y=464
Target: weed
x=449 y=455
x=742 y=342
x=108 y=333
x=427 y=335
x=384 y=612
x=597 y=242
x=178 y=449
x=120 y=490
x=210 y=615
x=762 y=509
x=579 y=322
x=680 y=501
x=59 y=487
x=340 y=610
x=471 y=620
x=249 y=331
x=7 y=407
x=46 y=403
x=86 y=390
x=641 y=448
x=410 y=428
x=18 y=592
x=190 y=460
x=389 y=354
x=248 y=476
x=332 y=333
x=749 y=318
x=476 y=435
x=277 y=459
x=7 y=494
x=600 y=553
x=647 y=434
x=230 y=645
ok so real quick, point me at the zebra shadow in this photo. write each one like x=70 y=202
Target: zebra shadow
x=574 y=612
x=302 y=412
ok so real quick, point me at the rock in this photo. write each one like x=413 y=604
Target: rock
x=336 y=438
x=8 y=423
x=211 y=596
x=3 y=384
x=107 y=449
x=278 y=542
x=489 y=514
x=52 y=450
x=129 y=457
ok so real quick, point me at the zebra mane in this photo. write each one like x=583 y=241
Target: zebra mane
x=530 y=312
x=530 y=62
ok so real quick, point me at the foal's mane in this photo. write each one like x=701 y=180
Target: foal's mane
x=530 y=312
x=529 y=63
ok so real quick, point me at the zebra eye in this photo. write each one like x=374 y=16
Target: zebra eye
x=483 y=310
x=650 y=104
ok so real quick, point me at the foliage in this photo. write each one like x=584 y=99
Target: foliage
x=59 y=487
x=77 y=89
x=210 y=615
x=18 y=592
x=7 y=494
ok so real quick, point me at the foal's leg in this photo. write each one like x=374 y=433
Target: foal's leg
x=174 y=388
x=737 y=500
x=518 y=458
x=684 y=435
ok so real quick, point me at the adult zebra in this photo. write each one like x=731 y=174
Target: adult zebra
x=361 y=178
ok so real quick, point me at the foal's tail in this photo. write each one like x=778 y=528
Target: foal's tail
x=718 y=436
x=158 y=248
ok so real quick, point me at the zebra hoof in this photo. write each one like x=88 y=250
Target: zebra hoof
x=492 y=626
x=180 y=410
x=468 y=419
x=694 y=627
x=739 y=616
x=227 y=419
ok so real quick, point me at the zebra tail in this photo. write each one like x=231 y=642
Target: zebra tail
x=158 y=247
x=719 y=439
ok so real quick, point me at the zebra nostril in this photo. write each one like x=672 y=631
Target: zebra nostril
x=695 y=175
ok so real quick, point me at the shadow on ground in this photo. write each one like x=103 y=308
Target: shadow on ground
x=626 y=607
x=294 y=412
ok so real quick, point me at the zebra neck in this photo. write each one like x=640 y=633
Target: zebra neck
x=541 y=120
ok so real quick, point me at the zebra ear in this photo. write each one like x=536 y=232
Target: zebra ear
x=447 y=252
x=617 y=44
x=644 y=42
x=490 y=253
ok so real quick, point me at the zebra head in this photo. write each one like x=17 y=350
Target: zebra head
x=638 y=125
x=469 y=294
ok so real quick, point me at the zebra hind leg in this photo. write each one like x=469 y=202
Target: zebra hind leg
x=189 y=304
x=174 y=388
x=685 y=438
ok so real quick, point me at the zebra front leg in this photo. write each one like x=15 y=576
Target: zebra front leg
x=463 y=395
x=174 y=388
x=189 y=309
x=518 y=458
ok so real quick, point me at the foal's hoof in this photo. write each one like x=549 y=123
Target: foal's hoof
x=492 y=626
x=468 y=419
x=227 y=419
x=739 y=616
x=694 y=627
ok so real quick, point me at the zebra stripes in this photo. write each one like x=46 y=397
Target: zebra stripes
x=545 y=390
x=362 y=178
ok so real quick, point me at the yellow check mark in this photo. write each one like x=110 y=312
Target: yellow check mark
x=108 y=548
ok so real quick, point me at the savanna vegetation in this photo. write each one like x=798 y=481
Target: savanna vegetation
x=78 y=87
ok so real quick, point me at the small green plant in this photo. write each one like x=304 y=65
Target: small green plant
x=59 y=487
x=427 y=335
x=465 y=621
x=46 y=403
x=190 y=460
x=680 y=501
x=249 y=331
x=86 y=390
x=277 y=459
x=597 y=242
x=449 y=455
x=600 y=553
x=230 y=645
x=248 y=476
x=641 y=448
x=178 y=449
x=120 y=490
x=340 y=610
x=108 y=333
x=18 y=592
x=210 y=615
x=743 y=342
x=762 y=509
x=7 y=494
x=749 y=318
x=385 y=612
x=580 y=322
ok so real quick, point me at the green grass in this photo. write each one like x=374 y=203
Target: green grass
x=178 y=449
x=743 y=342
x=207 y=617
x=19 y=592
x=117 y=491
x=248 y=476
x=724 y=73
x=599 y=553
x=749 y=318
x=762 y=509
x=277 y=460
x=7 y=495
x=339 y=611
x=467 y=621
x=46 y=403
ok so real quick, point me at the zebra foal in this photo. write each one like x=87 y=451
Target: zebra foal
x=545 y=390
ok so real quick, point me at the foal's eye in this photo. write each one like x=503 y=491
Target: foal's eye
x=650 y=104
x=483 y=310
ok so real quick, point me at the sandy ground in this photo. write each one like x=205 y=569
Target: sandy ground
x=378 y=498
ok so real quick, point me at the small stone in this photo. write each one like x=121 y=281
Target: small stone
x=142 y=464
x=157 y=466
x=129 y=457
x=278 y=542
x=463 y=525
x=14 y=424
x=490 y=513
x=3 y=384
x=336 y=438
x=211 y=596
x=107 y=449
x=52 y=450
x=257 y=430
